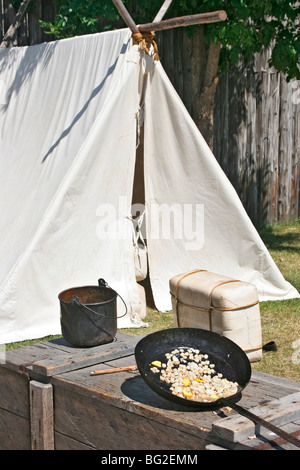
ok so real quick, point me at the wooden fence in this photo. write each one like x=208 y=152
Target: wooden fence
x=256 y=129
x=30 y=31
x=256 y=121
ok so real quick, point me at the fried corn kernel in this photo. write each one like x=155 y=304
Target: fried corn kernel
x=191 y=375
x=156 y=363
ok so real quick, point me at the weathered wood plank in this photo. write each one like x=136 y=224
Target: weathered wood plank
x=266 y=440
x=26 y=355
x=278 y=412
x=63 y=442
x=14 y=431
x=287 y=386
x=57 y=365
x=41 y=416
x=284 y=152
x=127 y=391
x=95 y=423
x=42 y=360
x=14 y=396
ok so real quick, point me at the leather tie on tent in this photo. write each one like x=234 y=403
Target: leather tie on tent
x=145 y=40
x=143 y=35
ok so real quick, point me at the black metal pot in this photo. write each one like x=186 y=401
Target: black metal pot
x=88 y=315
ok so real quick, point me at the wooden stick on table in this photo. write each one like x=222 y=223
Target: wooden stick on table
x=115 y=369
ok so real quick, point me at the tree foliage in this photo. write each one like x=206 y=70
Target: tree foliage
x=251 y=24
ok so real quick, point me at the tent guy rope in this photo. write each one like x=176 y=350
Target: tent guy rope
x=146 y=41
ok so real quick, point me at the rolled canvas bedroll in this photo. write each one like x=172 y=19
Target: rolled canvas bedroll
x=74 y=115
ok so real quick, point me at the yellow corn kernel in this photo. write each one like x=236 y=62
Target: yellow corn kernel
x=156 y=363
x=186 y=382
x=198 y=380
x=214 y=396
x=186 y=394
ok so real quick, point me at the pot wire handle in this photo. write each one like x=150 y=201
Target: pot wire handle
x=74 y=299
x=124 y=305
x=102 y=283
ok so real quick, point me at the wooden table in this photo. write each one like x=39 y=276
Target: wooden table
x=49 y=400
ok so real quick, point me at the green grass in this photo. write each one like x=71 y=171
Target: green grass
x=283 y=242
x=280 y=323
x=280 y=319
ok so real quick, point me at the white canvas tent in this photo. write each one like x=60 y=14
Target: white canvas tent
x=71 y=112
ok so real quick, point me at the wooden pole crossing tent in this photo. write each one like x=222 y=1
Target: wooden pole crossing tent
x=158 y=25
x=75 y=116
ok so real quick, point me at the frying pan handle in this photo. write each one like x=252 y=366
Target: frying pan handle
x=258 y=420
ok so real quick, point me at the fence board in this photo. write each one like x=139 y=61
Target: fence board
x=265 y=142
x=30 y=31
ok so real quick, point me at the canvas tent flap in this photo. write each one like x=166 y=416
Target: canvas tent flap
x=51 y=96
x=195 y=219
x=67 y=166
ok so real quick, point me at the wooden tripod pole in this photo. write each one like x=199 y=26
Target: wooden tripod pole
x=126 y=16
x=162 y=11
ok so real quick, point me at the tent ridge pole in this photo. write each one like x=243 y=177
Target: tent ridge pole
x=201 y=18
